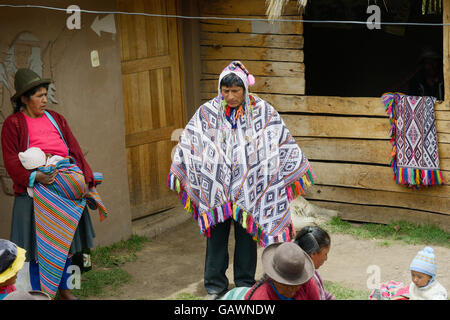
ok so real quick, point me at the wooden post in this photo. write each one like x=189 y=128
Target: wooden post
x=446 y=49
x=191 y=56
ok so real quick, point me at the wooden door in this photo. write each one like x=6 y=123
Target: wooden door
x=153 y=100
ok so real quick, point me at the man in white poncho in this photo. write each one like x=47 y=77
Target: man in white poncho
x=237 y=159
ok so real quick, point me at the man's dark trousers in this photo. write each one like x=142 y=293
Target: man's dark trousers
x=216 y=261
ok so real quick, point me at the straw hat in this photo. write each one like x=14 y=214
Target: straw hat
x=26 y=79
x=287 y=263
x=12 y=259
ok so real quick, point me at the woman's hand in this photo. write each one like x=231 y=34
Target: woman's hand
x=46 y=178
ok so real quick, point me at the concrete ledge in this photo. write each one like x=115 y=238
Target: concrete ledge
x=159 y=223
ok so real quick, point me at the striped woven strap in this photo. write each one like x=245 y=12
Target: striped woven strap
x=94 y=200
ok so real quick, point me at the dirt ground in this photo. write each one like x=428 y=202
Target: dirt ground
x=172 y=263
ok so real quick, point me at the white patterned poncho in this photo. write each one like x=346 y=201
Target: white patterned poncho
x=249 y=174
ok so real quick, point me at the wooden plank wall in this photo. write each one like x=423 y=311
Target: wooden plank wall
x=272 y=52
x=346 y=139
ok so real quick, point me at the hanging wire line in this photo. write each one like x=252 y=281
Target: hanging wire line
x=67 y=10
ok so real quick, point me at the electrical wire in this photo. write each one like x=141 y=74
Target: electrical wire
x=67 y=10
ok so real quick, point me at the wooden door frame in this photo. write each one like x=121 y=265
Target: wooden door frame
x=150 y=207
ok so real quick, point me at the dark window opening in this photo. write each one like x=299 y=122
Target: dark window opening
x=349 y=60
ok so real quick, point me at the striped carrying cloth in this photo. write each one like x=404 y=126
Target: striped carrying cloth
x=415 y=156
x=58 y=208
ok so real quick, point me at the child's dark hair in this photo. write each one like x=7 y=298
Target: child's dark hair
x=18 y=104
x=231 y=80
x=312 y=239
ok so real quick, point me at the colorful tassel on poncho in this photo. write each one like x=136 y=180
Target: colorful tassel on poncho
x=58 y=208
x=415 y=156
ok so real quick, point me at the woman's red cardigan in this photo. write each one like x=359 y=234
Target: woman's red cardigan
x=15 y=140
x=308 y=291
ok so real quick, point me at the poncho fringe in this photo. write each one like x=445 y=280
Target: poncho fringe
x=229 y=210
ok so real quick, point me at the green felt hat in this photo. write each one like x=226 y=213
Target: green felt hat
x=26 y=79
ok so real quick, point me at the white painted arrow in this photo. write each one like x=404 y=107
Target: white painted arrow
x=106 y=24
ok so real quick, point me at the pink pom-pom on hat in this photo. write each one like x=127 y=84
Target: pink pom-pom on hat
x=251 y=80
x=237 y=64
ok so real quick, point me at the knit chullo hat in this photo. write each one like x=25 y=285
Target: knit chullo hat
x=237 y=68
x=424 y=262
x=241 y=71
x=32 y=158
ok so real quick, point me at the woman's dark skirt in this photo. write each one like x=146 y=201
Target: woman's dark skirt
x=23 y=228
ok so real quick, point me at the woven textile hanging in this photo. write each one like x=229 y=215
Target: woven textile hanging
x=415 y=156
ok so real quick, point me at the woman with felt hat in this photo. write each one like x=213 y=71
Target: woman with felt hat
x=32 y=124
x=288 y=275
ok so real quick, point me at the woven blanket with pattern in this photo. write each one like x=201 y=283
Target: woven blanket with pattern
x=391 y=290
x=249 y=171
x=58 y=208
x=415 y=156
